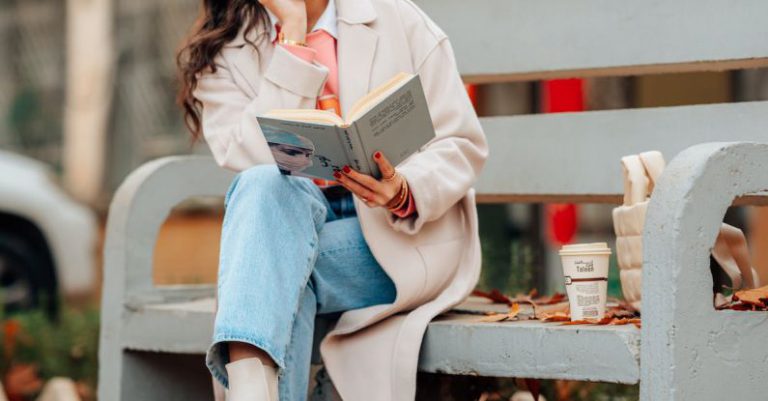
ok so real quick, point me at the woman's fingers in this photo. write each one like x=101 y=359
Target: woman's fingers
x=358 y=189
x=372 y=191
x=365 y=180
x=387 y=171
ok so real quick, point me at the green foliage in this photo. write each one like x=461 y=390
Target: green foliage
x=509 y=259
x=66 y=347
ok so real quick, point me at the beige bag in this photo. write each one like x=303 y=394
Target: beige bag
x=640 y=175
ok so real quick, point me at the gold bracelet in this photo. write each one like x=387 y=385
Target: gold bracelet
x=405 y=195
x=395 y=199
x=283 y=41
x=398 y=198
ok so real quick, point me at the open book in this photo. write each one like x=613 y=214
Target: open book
x=393 y=119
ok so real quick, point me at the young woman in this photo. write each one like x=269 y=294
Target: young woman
x=389 y=254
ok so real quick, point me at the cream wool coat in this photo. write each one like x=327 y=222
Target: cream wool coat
x=434 y=258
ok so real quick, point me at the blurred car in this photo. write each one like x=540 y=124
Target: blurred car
x=47 y=240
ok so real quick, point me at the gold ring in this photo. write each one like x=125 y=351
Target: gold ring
x=390 y=178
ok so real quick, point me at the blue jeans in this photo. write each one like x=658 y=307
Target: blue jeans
x=288 y=255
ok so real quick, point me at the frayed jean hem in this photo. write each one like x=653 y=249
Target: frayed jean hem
x=217 y=356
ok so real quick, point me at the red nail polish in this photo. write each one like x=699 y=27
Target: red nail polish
x=377 y=155
x=347 y=169
x=337 y=174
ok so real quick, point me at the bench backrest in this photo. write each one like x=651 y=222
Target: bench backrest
x=575 y=156
x=556 y=157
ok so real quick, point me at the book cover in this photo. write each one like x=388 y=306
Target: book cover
x=397 y=123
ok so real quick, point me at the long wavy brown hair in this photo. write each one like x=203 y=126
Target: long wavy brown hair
x=218 y=23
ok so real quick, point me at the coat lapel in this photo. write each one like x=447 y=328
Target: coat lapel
x=245 y=61
x=356 y=50
x=246 y=68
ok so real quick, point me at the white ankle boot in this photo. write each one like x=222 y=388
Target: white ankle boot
x=250 y=380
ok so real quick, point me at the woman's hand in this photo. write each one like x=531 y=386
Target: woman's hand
x=292 y=15
x=375 y=193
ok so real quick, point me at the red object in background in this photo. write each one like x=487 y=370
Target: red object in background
x=562 y=95
x=557 y=96
x=472 y=92
x=562 y=222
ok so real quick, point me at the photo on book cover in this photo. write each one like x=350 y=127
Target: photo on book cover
x=292 y=152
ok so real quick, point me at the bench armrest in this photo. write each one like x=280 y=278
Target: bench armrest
x=685 y=341
x=138 y=210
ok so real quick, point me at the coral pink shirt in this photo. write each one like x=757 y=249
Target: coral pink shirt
x=321 y=48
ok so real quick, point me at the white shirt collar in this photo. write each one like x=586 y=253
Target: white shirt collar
x=326 y=22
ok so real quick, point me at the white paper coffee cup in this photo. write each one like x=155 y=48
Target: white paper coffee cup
x=586 y=279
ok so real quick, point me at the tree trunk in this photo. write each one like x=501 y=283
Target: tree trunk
x=90 y=68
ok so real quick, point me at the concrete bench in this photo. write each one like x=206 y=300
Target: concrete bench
x=153 y=337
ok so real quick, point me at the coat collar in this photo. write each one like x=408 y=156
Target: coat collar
x=348 y=11
x=355 y=11
x=356 y=50
x=327 y=22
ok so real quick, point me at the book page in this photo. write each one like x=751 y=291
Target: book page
x=398 y=126
x=306 y=115
x=377 y=95
x=304 y=149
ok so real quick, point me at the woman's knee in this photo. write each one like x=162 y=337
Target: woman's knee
x=261 y=175
x=265 y=183
x=256 y=180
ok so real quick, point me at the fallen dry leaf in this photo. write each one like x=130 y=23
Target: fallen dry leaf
x=742 y=307
x=514 y=310
x=746 y=300
x=542 y=311
x=555 y=317
x=620 y=311
x=554 y=299
x=493 y=318
x=579 y=322
x=757 y=297
x=606 y=321
x=495 y=296
x=21 y=381
x=619 y=322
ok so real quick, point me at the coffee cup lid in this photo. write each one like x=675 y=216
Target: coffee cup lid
x=595 y=248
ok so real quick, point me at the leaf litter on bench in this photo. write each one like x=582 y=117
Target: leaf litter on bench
x=553 y=309
x=514 y=310
x=755 y=299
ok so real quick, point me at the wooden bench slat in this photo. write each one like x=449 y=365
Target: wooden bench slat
x=533 y=158
x=527 y=40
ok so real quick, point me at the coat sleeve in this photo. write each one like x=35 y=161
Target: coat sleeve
x=443 y=172
x=229 y=114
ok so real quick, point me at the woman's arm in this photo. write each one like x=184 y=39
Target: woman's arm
x=442 y=174
x=229 y=113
